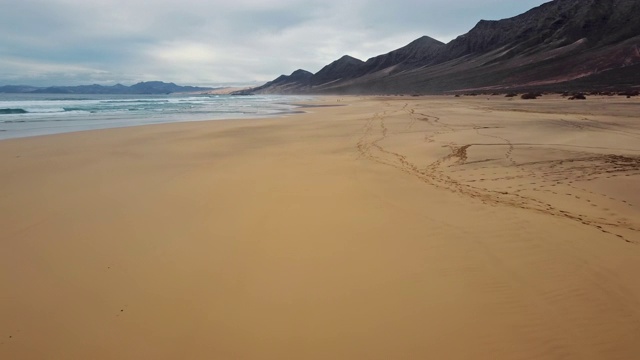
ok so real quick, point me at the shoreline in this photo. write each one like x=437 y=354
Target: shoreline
x=304 y=107
x=257 y=118
x=95 y=112
x=394 y=227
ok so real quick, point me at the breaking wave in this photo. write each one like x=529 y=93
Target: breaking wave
x=12 y=111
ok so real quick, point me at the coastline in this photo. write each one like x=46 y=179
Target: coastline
x=392 y=227
x=46 y=114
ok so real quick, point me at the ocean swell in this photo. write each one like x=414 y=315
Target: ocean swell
x=12 y=111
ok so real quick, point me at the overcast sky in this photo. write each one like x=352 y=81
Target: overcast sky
x=210 y=42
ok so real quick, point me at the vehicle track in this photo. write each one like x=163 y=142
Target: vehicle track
x=371 y=146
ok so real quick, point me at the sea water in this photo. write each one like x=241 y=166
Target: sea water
x=24 y=115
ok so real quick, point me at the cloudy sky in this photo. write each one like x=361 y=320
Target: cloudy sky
x=211 y=42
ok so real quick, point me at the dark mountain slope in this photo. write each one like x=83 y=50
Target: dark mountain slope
x=552 y=25
x=417 y=53
x=298 y=82
x=347 y=67
x=344 y=68
x=559 y=42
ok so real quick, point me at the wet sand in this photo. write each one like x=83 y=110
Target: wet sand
x=390 y=228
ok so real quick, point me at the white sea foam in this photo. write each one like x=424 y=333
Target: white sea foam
x=41 y=114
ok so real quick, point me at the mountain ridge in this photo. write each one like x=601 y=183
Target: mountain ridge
x=557 y=45
x=141 y=88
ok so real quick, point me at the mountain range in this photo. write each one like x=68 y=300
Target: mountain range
x=148 y=87
x=557 y=46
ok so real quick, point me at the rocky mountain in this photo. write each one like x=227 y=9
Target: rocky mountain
x=149 y=87
x=341 y=69
x=299 y=81
x=419 y=52
x=560 y=45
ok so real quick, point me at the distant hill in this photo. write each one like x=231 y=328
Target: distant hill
x=560 y=45
x=149 y=87
x=17 y=89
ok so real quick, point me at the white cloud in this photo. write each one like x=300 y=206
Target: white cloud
x=187 y=54
x=208 y=42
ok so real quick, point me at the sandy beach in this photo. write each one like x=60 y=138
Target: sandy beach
x=375 y=228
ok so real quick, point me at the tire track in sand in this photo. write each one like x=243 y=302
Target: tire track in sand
x=370 y=146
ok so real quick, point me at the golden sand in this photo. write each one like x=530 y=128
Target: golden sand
x=391 y=228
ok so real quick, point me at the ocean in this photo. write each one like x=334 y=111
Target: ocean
x=23 y=115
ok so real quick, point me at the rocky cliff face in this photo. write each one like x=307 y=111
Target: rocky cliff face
x=561 y=44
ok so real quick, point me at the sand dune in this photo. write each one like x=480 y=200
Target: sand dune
x=391 y=228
